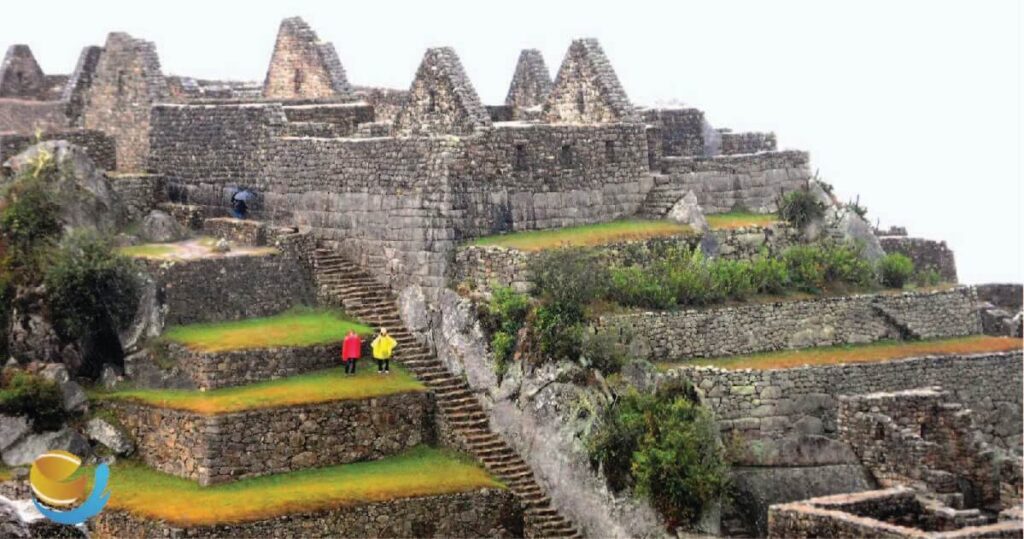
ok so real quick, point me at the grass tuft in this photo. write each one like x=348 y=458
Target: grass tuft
x=740 y=219
x=422 y=471
x=321 y=386
x=148 y=250
x=586 y=235
x=298 y=327
x=860 y=353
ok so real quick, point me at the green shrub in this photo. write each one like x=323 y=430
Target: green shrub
x=27 y=394
x=730 y=279
x=895 y=270
x=28 y=220
x=604 y=352
x=638 y=287
x=667 y=447
x=805 y=267
x=503 y=317
x=684 y=273
x=799 y=208
x=503 y=345
x=90 y=289
x=6 y=306
x=559 y=331
x=571 y=276
x=768 y=275
x=927 y=277
x=845 y=263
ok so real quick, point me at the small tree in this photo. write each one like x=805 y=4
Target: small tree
x=895 y=270
x=799 y=208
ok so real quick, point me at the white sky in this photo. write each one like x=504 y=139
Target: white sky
x=913 y=105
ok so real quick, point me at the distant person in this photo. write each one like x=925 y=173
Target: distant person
x=383 y=346
x=351 y=349
x=238 y=208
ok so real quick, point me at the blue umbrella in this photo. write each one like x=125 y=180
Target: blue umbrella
x=244 y=195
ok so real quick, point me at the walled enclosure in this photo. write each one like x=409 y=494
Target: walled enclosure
x=227 y=447
x=780 y=325
x=775 y=403
x=481 y=513
x=211 y=370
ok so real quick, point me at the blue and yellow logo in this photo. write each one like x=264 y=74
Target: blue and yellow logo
x=48 y=478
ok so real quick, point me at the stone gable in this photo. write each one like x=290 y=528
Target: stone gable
x=531 y=82
x=441 y=100
x=586 y=89
x=303 y=66
x=20 y=74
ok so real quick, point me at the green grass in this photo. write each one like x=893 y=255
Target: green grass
x=321 y=386
x=301 y=327
x=148 y=250
x=586 y=235
x=422 y=471
x=739 y=219
x=859 y=353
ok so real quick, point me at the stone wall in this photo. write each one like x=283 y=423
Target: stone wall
x=227 y=447
x=126 y=82
x=926 y=254
x=212 y=370
x=775 y=403
x=1005 y=295
x=230 y=287
x=682 y=130
x=342 y=118
x=21 y=76
x=586 y=89
x=80 y=82
x=749 y=181
x=531 y=82
x=822 y=321
x=386 y=102
x=923 y=438
x=139 y=193
x=237 y=231
x=742 y=143
x=441 y=99
x=27 y=117
x=481 y=513
x=97 y=145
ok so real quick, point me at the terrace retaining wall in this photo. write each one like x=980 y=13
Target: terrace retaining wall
x=823 y=321
x=139 y=193
x=224 y=288
x=212 y=370
x=231 y=446
x=480 y=513
x=776 y=403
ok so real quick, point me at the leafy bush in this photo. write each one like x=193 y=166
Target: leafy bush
x=667 y=447
x=799 y=208
x=895 y=270
x=927 y=277
x=638 y=287
x=845 y=263
x=505 y=315
x=572 y=276
x=90 y=290
x=730 y=279
x=768 y=275
x=805 y=267
x=604 y=352
x=27 y=394
x=559 y=330
x=28 y=219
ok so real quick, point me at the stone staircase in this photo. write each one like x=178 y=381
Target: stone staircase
x=343 y=282
x=661 y=197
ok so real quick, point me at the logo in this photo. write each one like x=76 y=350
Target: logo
x=48 y=478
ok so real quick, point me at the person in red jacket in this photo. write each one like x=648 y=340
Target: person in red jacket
x=351 y=349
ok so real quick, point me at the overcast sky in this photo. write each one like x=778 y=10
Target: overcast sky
x=913 y=105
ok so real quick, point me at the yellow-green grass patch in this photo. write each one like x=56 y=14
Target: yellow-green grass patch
x=300 y=327
x=148 y=250
x=586 y=235
x=190 y=249
x=860 y=353
x=311 y=388
x=5 y=473
x=422 y=471
x=739 y=219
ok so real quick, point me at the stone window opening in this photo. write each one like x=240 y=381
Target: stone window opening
x=519 y=163
x=297 y=80
x=431 y=101
x=609 y=151
x=120 y=83
x=565 y=157
x=879 y=431
x=20 y=77
x=581 y=102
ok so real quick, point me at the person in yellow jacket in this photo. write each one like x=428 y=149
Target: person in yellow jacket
x=383 y=346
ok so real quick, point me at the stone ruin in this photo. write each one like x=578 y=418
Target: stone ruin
x=399 y=179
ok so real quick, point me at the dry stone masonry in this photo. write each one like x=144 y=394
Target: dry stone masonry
x=531 y=82
x=302 y=66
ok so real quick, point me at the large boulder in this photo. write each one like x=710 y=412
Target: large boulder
x=83 y=192
x=148 y=321
x=12 y=428
x=74 y=397
x=688 y=212
x=160 y=227
x=101 y=431
x=842 y=223
x=23 y=452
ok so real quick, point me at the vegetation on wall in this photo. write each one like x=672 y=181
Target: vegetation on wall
x=799 y=208
x=664 y=446
x=895 y=270
x=26 y=394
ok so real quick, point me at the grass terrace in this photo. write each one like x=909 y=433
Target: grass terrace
x=862 y=353
x=739 y=219
x=316 y=387
x=422 y=471
x=189 y=250
x=586 y=235
x=300 y=327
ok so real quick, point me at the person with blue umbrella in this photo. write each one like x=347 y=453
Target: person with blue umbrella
x=239 y=203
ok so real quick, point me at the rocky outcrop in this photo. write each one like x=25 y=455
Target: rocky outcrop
x=160 y=227
x=843 y=223
x=23 y=452
x=687 y=211
x=20 y=519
